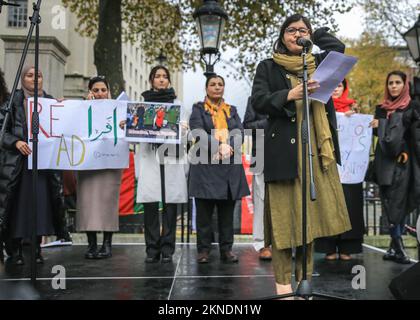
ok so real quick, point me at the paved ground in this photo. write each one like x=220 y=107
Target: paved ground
x=126 y=276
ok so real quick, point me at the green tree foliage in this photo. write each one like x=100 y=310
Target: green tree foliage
x=376 y=60
x=168 y=25
x=391 y=18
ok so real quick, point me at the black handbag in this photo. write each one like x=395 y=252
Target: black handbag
x=370 y=175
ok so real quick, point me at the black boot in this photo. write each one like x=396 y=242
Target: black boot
x=105 y=251
x=1 y=251
x=19 y=261
x=390 y=253
x=39 y=259
x=400 y=254
x=91 y=252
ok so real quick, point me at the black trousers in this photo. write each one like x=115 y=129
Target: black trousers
x=158 y=242
x=331 y=245
x=205 y=209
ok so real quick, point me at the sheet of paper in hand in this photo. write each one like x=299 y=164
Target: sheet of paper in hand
x=330 y=72
x=153 y=122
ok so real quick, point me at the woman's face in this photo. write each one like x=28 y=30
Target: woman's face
x=100 y=90
x=160 y=81
x=29 y=80
x=395 y=85
x=294 y=31
x=338 y=92
x=215 y=89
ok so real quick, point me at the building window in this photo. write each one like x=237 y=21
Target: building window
x=18 y=16
x=137 y=54
x=136 y=76
x=125 y=62
x=130 y=91
x=135 y=96
x=131 y=70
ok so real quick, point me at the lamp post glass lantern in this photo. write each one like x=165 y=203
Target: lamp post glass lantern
x=210 y=19
x=412 y=37
x=161 y=58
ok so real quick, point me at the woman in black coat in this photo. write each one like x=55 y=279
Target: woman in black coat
x=4 y=95
x=396 y=164
x=16 y=179
x=217 y=177
x=277 y=92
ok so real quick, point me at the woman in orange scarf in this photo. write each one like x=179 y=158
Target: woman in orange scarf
x=217 y=177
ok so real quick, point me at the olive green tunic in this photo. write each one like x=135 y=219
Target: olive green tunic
x=326 y=216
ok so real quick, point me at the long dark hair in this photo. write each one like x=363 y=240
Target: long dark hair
x=153 y=72
x=279 y=46
x=4 y=93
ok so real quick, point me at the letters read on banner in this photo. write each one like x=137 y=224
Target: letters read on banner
x=80 y=135
x=153 y=122
x=355 y=138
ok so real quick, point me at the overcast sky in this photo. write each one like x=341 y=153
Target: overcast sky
x=237 y=92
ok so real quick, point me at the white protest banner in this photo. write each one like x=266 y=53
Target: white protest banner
x=355 y=138
x=153 y=122
x=80 y=135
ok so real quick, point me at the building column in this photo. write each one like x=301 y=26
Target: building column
x=52 y=59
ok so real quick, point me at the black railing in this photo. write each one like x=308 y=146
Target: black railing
x=376 y=222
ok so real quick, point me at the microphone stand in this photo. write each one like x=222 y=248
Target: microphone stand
x=304 y=289
x=35 y=21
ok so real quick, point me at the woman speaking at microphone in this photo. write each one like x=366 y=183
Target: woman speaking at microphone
x=277 y=91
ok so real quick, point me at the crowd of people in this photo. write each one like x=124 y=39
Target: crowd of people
x=335 y=219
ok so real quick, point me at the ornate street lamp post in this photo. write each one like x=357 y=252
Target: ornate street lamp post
x=412 y=37
x=210 y=19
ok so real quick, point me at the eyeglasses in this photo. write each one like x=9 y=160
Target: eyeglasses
x=302 y=31
x=96 y=90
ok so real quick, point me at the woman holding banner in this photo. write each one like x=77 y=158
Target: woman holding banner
x=98 y=193
x=16 y=178
x=351 y=241
x=277 y=91
x=172 y=170
x=396 y=161
x=217 y=179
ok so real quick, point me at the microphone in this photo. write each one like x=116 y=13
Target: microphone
x=302 y=42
